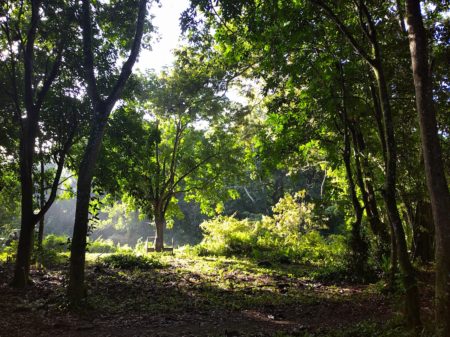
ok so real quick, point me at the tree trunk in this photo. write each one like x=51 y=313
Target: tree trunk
x=76 y=290
x=393 y=268
x=22 y=267
x=423 y=232
x=434 y=168
x=357 y=245
x=367 y=192
x=102 y=109
x=375 y=61
x=412 y=305
x=42 y=203
x=160 y=223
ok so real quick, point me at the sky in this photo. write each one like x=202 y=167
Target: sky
x=166 y=18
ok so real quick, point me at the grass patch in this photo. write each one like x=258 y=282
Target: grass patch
x=132 y=261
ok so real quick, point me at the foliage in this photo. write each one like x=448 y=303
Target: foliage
x=57 y=243
x=291 y=234
x=131 y=261
x=61 y=243
x=102 y=246
x=8 y=253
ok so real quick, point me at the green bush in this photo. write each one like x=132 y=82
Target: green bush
x=131 y=262
x=101 y=246
x=57 y=243
x=8 y=253
x=290 y=235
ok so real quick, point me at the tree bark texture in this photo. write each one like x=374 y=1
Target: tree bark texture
x=41 y=201
x=434 y=168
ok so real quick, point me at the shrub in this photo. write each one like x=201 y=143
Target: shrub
x=101 y=246
x=228 y=236
x=57 y=243
x=290 y=235
x=8 y=253
x=131 y=261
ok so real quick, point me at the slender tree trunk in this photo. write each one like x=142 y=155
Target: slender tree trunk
x=42 y=203
x=76 y=289
x=357 y=244
x=375 y=61
x=412 y=305
x=393 y=268
x=434 y=168
x=378 y=114
x=367 y=191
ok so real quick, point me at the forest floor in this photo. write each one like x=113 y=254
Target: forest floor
x=197 y=297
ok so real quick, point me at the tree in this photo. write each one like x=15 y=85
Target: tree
x=434 y=167
x=102 y=104
x=171 y=155
x=34 y=52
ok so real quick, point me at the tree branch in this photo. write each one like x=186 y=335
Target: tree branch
x=28 y=58
x=88 y=55
x=56 y=181
x=128 y=65
x=51 y=77
x=343 y=28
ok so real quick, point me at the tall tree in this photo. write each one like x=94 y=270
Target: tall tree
x=102 y=105
x=35 y=46
x=434 y=167
x=172 y=155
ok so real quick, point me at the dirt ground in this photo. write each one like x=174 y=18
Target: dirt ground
x=175 y=303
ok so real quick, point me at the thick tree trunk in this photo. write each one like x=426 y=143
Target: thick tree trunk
x=76 y=290
x=22 y=267
x=434 y=168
